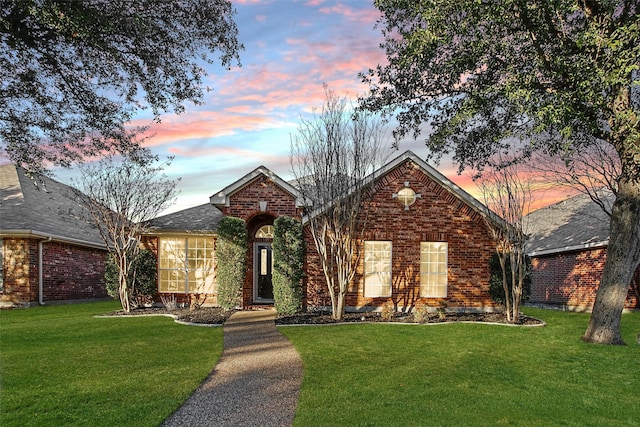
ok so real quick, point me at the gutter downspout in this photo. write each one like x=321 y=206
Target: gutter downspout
x=40 y=274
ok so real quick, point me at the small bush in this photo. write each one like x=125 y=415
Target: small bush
x=231 y=254
x=387 y=312
x=421 y=313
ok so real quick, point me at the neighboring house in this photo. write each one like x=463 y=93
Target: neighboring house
x=568 y=248
x=49 y=251
x=434 y=250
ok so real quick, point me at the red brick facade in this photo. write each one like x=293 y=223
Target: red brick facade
x=571 y=280
x=69 y=272
x=443 y=213
x=436 y=216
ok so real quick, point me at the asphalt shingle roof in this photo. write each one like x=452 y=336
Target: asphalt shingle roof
x=42 y=207
x=571 y=224
x=203 y=219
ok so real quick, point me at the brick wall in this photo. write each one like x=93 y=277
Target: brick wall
x=69 y=272
x=571 y=279
x=436 y=216
x=20 y=270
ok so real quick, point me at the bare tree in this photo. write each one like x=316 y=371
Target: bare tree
x=507 y=192
x=121 y=196
x=593 y=170
x=333 y=157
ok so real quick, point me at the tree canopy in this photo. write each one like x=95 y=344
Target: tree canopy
x=478 y=76
x=73 y=73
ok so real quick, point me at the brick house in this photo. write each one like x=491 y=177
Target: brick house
x=433 y=248
x=568 y=248
x=48 y=253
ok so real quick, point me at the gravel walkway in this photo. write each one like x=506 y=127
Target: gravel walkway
x=255 y=383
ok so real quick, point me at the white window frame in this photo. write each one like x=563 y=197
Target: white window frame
x=377 y=268
x=191 y=269
x=434 y=266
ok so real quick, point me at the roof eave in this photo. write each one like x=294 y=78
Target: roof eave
x=41 y=235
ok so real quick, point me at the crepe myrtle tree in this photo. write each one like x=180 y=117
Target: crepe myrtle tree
x=506 y=190
x=75 y=72
x=333 y=156
x=120 y=195
x=560 y=75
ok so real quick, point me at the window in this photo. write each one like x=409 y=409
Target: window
x=433 y=269
x=186 y=265
x=265 y=232
x=407 y=197
x=377 y=269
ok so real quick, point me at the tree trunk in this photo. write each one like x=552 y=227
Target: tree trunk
x=623 y=257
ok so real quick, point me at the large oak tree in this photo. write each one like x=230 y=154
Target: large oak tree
x=561 y=75
x=73 y=73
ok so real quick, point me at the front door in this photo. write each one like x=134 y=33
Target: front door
x=262 y=267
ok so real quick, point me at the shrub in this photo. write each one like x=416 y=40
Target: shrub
x=421 y=313
x=231 y=255
x=143 y=276
x=387 y=311
x=288 y=265
x=495 y=281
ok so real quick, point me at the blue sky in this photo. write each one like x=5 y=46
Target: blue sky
x=292 y=47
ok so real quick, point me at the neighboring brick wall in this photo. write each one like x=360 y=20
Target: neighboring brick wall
x=571 y=279
x=20 y=269
x=437 y=216
x=73 y=272
x=69 y=272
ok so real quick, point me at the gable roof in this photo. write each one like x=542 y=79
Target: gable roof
x=572 y=224
x=198 y=219
x=42 y=209
x=221 y=198
x=446 y=183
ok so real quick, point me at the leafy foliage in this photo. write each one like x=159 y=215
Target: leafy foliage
x=74 y=72
x=142 y=277
x=288 y=264
x=231 y=256
x=496 y=290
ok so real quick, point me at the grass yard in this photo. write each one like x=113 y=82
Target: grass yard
x=62 y=366
x=467 y=374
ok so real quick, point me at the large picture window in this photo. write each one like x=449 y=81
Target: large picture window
x=433 y=269
x=377 y=269
x=186 y=265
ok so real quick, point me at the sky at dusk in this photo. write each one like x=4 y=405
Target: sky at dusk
x=292 y=47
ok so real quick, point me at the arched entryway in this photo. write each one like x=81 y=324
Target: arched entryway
x=260 y=230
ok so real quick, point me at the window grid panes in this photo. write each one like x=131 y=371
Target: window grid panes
x=186 y=265
x=377 y=269
x=433 y=269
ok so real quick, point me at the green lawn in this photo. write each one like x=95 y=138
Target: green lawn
x=467 y=374
x=62 y=366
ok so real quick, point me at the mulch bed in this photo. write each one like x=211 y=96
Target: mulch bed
x=319 y=318
x=214 y=315
x=203 y=315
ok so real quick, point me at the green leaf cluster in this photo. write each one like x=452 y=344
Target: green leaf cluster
x=231 y=256
x=142 y=278
x=288 y=264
